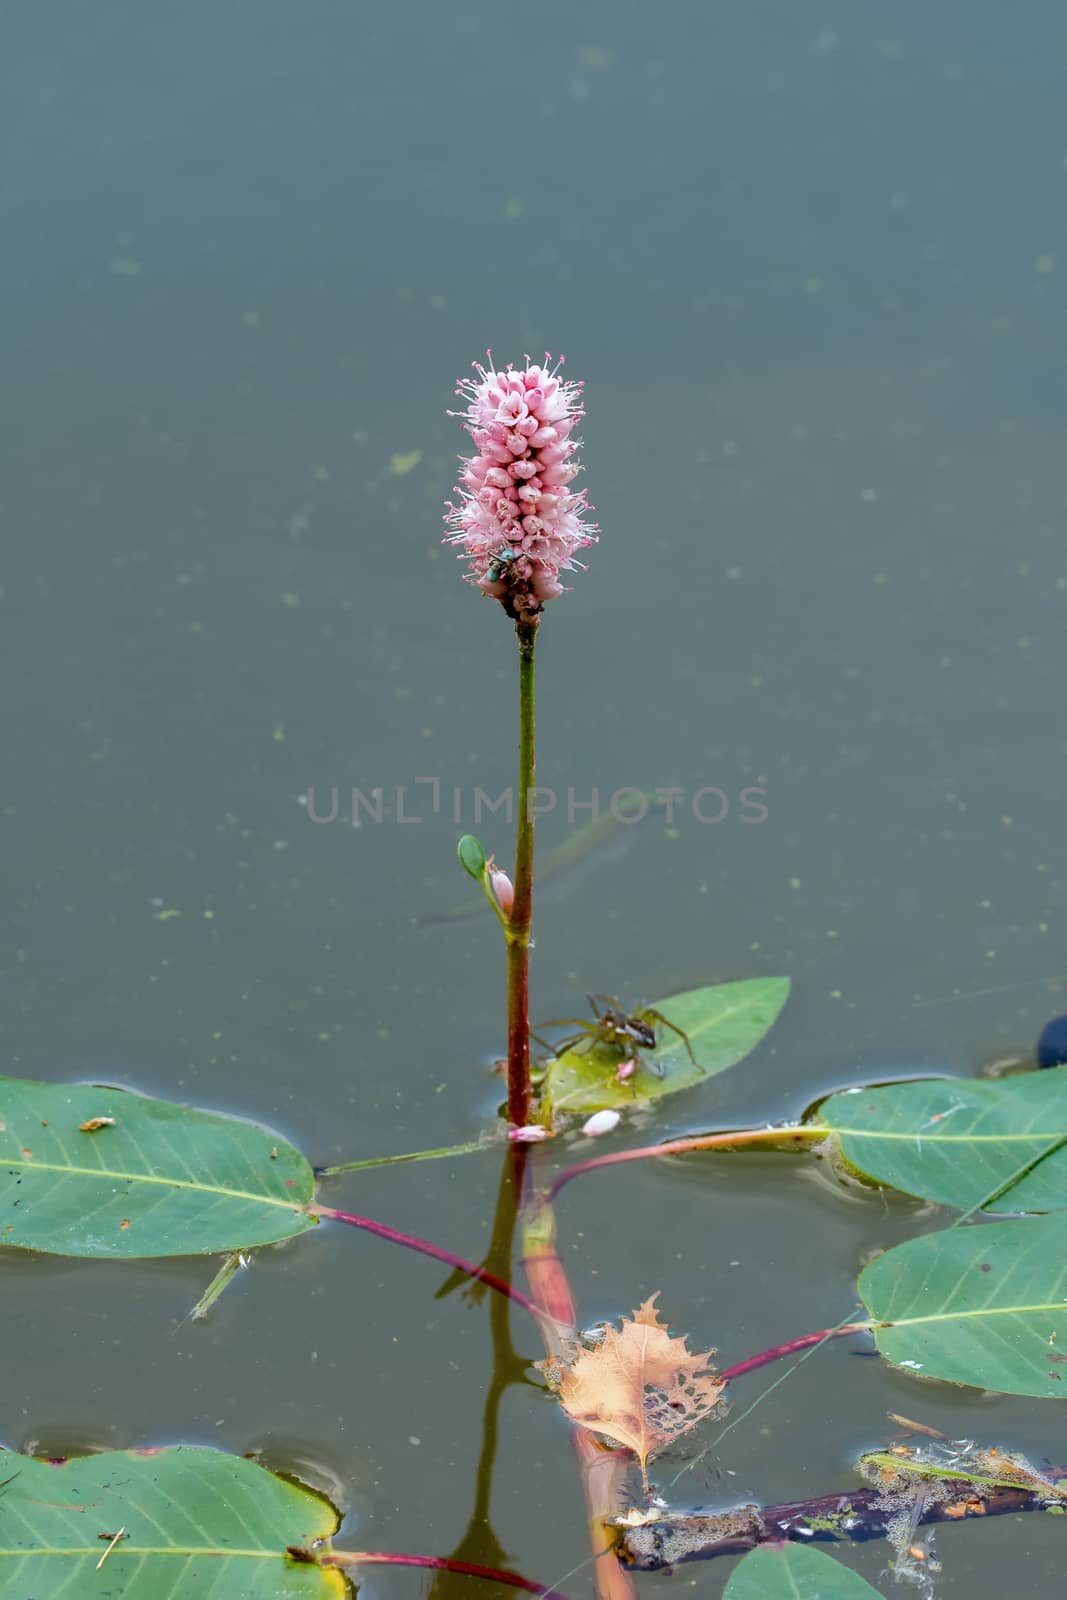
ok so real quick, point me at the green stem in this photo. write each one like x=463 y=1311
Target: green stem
x=231 y=1266
x=517 y=931
x=413 y=1155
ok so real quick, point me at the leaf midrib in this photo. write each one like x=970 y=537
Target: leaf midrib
x=877 y=1325
x=125 y=1549
x=725 y=1015
x=1035 y=1137
x=147 y=1177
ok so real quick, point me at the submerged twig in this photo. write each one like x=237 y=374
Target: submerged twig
x=854 y=1517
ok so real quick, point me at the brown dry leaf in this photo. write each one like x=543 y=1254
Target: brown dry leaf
x=640 y=1387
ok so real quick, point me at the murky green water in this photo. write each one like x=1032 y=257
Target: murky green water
x=810 y=261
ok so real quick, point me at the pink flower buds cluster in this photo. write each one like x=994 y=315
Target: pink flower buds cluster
x=518 y=522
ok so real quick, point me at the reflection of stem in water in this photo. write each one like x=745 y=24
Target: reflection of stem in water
x=479 y=1543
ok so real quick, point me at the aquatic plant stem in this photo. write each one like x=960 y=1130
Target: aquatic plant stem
x=787 y=1137
x=413 y=1155
x=517 y=929
x=424 y=1247
x=778 y=1352
x=231 y=1266
x=391 y=1558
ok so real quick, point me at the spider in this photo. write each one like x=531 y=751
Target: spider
x=615 y=1029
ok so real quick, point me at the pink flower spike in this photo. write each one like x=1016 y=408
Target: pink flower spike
x=533 y=1133
x=521 y=422
x=601 y=1122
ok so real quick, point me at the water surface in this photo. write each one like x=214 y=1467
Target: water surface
x=810 y=262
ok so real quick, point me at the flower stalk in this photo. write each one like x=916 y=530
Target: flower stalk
x=517 y=925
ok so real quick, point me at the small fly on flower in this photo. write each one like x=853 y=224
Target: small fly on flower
x=498 y=566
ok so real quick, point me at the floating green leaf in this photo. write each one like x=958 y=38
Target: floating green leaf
x=984 y=1305
x=723 y=1022
x=960 y=1140
x=193 y=1521
x=90 y=1171
x=795 y=1572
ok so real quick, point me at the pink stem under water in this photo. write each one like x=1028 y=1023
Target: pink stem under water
x=424 y=1247
x=470 y=1569
x=778 y=1352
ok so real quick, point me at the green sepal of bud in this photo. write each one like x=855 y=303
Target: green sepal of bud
x=472 y=857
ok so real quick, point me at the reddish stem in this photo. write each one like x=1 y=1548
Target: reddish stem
x=424 y=1247
x=603 y=1470
x=778 y=1351
x=681 y=1147
x=548 y=1282
x=470 y=1569
x=517 y=926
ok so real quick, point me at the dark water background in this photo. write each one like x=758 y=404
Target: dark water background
x=810 y=260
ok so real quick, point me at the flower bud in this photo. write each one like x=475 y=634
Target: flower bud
x=503 y=889
x=601 y=1122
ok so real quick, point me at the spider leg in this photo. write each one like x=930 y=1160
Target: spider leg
x=657 y=1016
x=652 y=1066
x=561 y=1046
